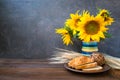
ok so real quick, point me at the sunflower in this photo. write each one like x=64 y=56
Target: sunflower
x=106 y=15
x=86 y=27
x=73 y=21
x=91 y=28
x=65 y=35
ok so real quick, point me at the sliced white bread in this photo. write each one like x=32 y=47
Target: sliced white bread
x=93 y=69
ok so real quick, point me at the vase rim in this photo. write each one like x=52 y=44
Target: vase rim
x=90 y=41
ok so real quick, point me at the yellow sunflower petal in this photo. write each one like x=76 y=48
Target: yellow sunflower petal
x=74 y=32
x=103 y=12
x=67 y=39
x=97 y=38
x=101 y=34
x=61 y=31
x=87 y=38
x=72 y=16
x=109 y=20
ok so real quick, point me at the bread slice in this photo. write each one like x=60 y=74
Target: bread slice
x=79 y=61
x=93 y=69
x=87 y=65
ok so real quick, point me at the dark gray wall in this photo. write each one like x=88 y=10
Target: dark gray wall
x=27 y=27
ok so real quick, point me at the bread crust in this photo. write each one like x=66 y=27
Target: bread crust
x=87 y=65
x=79 y=61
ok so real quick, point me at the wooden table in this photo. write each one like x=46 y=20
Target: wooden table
x=35 y=69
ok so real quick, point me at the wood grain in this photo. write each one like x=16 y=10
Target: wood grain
x=35 y=69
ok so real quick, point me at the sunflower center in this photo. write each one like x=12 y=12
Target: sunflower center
x=92 y=27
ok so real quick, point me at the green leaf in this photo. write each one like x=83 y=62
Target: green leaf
x=107 y=35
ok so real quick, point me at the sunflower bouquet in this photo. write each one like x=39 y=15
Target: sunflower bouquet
x=86 y=27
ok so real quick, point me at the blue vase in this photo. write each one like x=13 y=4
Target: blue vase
x=89 y=47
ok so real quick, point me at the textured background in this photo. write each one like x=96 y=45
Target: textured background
x=27 y=27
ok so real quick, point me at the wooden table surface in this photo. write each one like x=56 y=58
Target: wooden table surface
x=35 y=69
